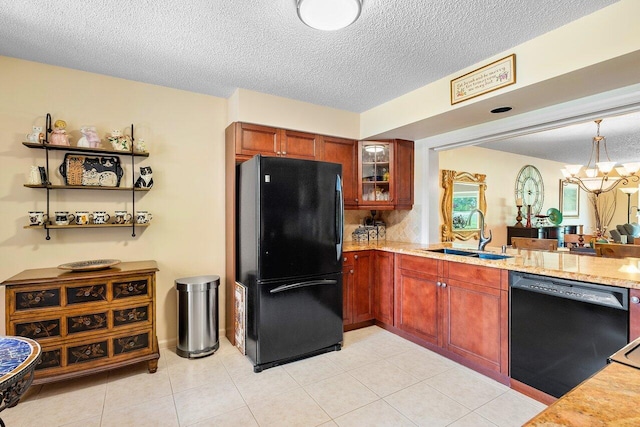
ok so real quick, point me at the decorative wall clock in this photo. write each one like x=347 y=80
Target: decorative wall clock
x=530 y=188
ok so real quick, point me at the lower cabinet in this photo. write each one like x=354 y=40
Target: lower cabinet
x=357 y=287
x=383 y=287
x=461 y=308
x=475 y=304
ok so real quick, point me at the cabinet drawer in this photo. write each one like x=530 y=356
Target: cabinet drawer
x=34 y=299
x=36 y=329
x=423 y=265
x=128 y=316
x=86 y=322
x=476 y=274
x=86 y=293
x=131 y=343
x=51 y=357
x=131 y=288
x=98 y=349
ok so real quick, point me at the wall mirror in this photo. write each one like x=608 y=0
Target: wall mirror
x=463 y=192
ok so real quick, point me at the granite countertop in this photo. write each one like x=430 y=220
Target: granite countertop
x=610 y=397
x=562 y=263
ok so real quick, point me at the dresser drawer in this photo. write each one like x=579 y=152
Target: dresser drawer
x=86 y=293
x=87 y=322
x=38 y=329
x=33 y=299
x=132 y=315
x=133 y=287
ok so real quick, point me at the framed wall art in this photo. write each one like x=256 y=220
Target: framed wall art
x=485 y=79
x=569 y=200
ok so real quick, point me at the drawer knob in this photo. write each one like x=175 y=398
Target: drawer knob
x=635 y=300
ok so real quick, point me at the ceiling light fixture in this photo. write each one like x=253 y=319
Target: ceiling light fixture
x=599 y=177
x=329 y=15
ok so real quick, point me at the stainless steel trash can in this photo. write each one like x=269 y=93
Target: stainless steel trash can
x=197 y=316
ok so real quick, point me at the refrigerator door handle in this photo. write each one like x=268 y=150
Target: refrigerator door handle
x=339 y=217
x=297 y=285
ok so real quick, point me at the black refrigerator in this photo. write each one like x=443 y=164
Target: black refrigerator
x=289 y=257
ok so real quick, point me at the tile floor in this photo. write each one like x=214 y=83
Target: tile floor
x=378 y=379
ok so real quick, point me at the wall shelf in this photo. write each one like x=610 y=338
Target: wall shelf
x=87 y=150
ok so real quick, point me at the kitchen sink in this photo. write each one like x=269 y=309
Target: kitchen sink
x=481 y=255
x=450 y=251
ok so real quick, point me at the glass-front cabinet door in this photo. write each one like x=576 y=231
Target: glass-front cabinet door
x=376 y=172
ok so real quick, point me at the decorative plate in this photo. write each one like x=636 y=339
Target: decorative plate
x=94 y=264
x=555 y=216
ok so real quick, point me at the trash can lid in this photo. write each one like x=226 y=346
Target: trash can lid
x=197 y=283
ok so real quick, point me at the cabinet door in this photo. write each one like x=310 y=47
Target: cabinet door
x=347 y=289
x=475 y=320
x=299 y=145
x=376 y=175
x=383 y=287
x=416 y=297
x=363 y=287
x=403 y=174
x=255 y=139
x=634 y=314
x=344 y=151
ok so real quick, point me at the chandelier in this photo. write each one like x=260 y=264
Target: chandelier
x=600 y=176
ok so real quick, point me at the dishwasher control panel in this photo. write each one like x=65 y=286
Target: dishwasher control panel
x=609 y=296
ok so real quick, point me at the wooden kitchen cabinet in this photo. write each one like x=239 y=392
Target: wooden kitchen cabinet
x=475 y=303
x=345 y=152
x=634 y=314
x=357 y=288
x=416 y=297
x=461 y=308
x=86 y=322
x=250 y=139
x=385 y=174
x=383 y=287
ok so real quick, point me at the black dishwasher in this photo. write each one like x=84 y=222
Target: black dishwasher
x=563 y=331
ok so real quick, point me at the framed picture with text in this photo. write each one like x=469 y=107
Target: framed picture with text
x=569 y=200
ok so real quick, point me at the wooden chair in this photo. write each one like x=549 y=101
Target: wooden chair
x=574 y=240
x=617 y=250
x=528 y=243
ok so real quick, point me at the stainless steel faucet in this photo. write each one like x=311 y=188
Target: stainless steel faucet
x=484 y=240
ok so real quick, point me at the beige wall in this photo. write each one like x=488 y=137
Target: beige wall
x=185 y=135
x=501 y=170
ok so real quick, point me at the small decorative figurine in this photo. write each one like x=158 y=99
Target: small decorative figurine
x=118 y=141
x=36 y=136
x=59 y=134
x=34 y=176
x=89 y=138
x=141 y=146
x=145 y=180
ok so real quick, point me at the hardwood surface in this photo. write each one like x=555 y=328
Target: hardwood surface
x=527 y=243
x=404 y=158
x=86 y=322
x=617 y=250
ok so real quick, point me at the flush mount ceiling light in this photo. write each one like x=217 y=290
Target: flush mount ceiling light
x=329 y=15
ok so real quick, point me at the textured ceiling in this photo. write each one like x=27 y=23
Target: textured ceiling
x=572 y=144
x=214 y=46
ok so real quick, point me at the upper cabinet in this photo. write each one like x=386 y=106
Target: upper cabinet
x=385 y=174
x=376 y=175
x=344 y=151
x=252 y=139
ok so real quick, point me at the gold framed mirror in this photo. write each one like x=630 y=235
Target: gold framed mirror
x=463 y=192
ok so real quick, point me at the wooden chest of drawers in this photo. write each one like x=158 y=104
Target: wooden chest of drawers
x=88 y=321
